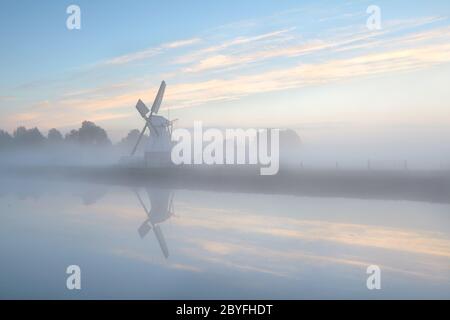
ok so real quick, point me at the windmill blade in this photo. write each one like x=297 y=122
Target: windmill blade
x=144 y=229
x=139 y=139
x=162 y=242
x=171 y=203
x=142 y=108
x=159 y=97
x=140 y=201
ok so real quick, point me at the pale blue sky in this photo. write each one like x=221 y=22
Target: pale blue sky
x=311 y=65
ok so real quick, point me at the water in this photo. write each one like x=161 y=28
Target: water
x=209 y=245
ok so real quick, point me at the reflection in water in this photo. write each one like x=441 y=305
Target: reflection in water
x=161 y=209
x=222 y=245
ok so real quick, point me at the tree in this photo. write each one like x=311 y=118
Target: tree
x=5 y=139
x=89 y=135
x=289 y=139
x=131 y=138
x=72 y=136
x=290 y=148
x=54 y=136
x=28 y=137
x=19 y=133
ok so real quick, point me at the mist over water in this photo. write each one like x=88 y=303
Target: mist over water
x=215 y=244
x=201 y=232
x=306 y=147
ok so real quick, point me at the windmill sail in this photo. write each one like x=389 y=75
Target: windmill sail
x=162 y=242
x=160 y=130
x=142 y=108
x=159 y=97
x=144 y=229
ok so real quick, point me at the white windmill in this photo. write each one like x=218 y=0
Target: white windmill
x=159 y=146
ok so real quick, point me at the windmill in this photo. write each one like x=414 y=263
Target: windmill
x=158 y=148
x=161 y=209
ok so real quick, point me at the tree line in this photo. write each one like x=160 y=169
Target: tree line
x=89 y=134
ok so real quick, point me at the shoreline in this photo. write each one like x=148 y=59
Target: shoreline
x=423 y=186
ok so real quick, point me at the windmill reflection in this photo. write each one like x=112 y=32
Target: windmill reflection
x=161 y=209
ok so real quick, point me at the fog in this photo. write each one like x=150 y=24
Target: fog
x=149 y=241
x=87 y=146
x=383 y=168
x=385 y=148
x=223 y=231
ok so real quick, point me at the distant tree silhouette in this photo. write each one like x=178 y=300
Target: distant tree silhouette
x=28 y=137
x=54 y=136
x=131 y=138
x=5 y=139
x=290 y=146
x=72 y=136
x=89 y=135
x=289 y=139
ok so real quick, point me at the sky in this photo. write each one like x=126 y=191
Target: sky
x=313 y=66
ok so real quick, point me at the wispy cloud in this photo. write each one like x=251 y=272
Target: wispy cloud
x=226 y=67
x=354 y=245
x=248 y=41
x=402 y=240
x=305 y=74
x=181 y=43
x=284 y=43
x=148 y=53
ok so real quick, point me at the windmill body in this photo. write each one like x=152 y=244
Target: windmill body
x=159 y=146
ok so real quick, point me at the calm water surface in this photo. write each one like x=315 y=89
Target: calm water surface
x=182 y=244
